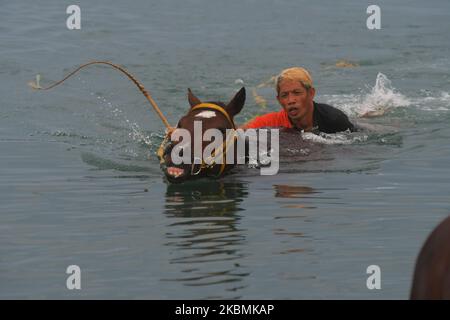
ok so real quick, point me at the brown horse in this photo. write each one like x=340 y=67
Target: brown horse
x=432 y=272
x=212 y=115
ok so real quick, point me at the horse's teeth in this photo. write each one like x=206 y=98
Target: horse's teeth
x=175 y=172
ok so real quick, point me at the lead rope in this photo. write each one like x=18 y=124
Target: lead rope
x=36 y=86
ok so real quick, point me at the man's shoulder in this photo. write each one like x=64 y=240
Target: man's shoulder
x=330 y=119
x=327 y=110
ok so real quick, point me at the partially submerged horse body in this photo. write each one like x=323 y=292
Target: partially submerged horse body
x=432 y=273
x=213 y=115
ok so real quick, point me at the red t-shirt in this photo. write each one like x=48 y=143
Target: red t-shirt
x=273 y=119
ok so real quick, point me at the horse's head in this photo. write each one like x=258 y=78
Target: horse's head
x=200 y=118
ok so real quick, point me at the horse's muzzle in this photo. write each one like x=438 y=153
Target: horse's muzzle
x=174 y=173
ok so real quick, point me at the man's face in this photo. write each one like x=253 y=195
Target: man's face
x=295 y=99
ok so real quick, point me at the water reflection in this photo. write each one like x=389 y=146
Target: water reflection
x=287 y=191
x=294 y=192
x=291 y=232
x=204 y=233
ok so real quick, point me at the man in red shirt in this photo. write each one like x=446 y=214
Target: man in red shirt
x=295 y=93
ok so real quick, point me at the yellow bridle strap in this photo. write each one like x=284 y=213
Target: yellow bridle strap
x=223 y=153
x=160 y=152
x=214 y=107
x=227 y=146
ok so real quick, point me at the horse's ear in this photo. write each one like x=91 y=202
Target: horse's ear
x=193 y=100
x=236 y=104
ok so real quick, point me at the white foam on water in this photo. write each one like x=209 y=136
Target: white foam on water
x=440 y=102
x=334 y=138
x=381 y=98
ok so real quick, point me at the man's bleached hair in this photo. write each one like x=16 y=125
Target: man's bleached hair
x=295 y=74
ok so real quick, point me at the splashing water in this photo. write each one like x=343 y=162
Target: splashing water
x=335 y=138
x=434 y=103
x=382 y=97
x=136 y=133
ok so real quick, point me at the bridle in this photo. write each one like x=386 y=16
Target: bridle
x=210 y=162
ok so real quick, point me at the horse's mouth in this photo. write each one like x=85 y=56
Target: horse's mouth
x=172 y=172
x=175 y=172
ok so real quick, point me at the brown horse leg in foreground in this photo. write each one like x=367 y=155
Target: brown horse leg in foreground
x=432 y=272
